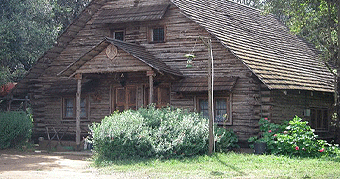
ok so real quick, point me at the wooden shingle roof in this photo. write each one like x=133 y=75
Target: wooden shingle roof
x=135 y=50
x=278 y=58
x=130 y=14
x=200 y=84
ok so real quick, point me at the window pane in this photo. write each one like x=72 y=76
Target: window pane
x=203 y=103
x=158 y=35
x=220 y=110
x=69 y=104
x=119 y=35
x=83 y=107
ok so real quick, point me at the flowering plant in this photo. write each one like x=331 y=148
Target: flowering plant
x=299 y=140
x=293 y=138
x=268 y=133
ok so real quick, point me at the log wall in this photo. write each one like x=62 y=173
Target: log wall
x=249 y=102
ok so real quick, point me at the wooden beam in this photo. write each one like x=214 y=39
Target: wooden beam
x=78 y=110
x=151 y=74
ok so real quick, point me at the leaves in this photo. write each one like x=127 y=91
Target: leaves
x=293 y=139
x=314 y=20
x=28 y=28
x=161 y=133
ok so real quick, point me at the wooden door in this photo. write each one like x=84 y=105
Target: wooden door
x=125 y=98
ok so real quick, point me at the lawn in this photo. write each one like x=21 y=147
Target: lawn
x=229 y=165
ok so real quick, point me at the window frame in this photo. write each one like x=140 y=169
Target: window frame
x=314 y=125
x=64 y=106
x=227 y=99
x=151 y=34
x=116 y=31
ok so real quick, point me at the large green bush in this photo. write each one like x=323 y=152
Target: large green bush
x=15 y=128
x=151 y=132
x=294 y=138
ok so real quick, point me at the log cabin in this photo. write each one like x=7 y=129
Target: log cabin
x=126 y=54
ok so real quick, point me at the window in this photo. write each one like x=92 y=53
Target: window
x=69 y=110
x=119 y=34
x=319 y=119
x=156 y=34
x=69 y=105
x=221 y=110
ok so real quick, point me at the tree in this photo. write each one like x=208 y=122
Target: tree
x=28 y=28
x=26 y=31
x=65 y=11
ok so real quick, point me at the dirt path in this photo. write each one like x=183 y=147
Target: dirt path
x=33 y=165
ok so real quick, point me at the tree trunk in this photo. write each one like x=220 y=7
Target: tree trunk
x=337 y=90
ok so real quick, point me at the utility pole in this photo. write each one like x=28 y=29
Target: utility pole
x=210 y=94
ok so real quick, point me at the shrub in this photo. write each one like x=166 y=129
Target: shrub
x=15 y=128
x=225 y=139
x=293 y=138
x=151 y=132
x=299 y=140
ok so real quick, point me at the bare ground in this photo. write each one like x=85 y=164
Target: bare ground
x=37 y=165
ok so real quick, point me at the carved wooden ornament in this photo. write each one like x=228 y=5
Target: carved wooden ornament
x=111 y=51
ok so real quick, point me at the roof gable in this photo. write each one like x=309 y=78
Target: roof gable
x=279 y=59
x=137 y=51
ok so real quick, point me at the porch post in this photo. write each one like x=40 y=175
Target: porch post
x=78 y=110
x=151 y=74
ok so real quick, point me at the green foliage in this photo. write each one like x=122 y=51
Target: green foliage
x=314 y=20
x=65 y=11
x=4 y=76
x=28 y=28
x=293 y=138
x=268 y=130
x=15 y=128
x=26 y=31
x=225 y=139
x=299 y=140
x=150 y=132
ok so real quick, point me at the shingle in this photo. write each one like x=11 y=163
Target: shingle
x=141 y=13
x=200 y=84
x=278 y=58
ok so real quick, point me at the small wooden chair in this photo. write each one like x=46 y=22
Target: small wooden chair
x=55 y=132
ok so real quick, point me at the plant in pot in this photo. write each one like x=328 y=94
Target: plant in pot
x=258 y=144
x=190 y=58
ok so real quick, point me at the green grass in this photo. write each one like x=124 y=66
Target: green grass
x=230 y=165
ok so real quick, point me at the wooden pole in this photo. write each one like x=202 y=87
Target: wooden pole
x=78 y=110
x=211 y=98
x=150 y=74
x=337 y=87
x=210 y=94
